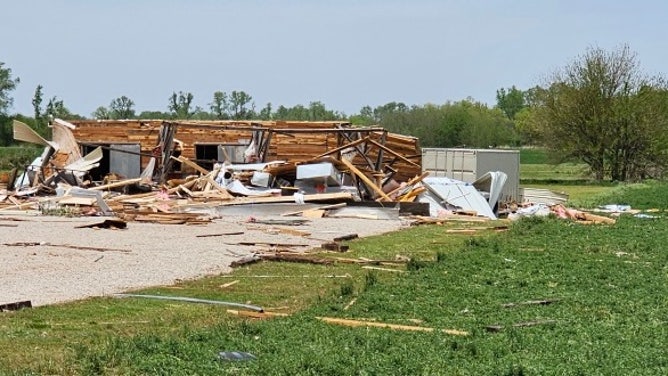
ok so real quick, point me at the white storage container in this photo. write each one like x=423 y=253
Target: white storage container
x=470 y=164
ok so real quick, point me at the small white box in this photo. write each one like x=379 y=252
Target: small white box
x=261 y=179
x=324 y=173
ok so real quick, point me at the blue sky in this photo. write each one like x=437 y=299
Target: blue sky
x=346 y=54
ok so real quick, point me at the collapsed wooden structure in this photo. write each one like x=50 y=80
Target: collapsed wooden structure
x=214 y=162
x=207 y=142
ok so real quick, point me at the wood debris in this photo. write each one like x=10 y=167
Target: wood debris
x=376 y=324
x=79 y=247
x=15 y=306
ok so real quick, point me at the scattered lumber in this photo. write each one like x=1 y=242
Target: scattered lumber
x=325 y=207
x=256 y=315
x=376 y=324
x=342 y=196
x=471 y=230
x=598 y=219
x=228 y=284
x=345 y=237
x=164 y=218
x=296 y=258
x=365 y=261
x=248 y=259
x=419 y=219
x=220 y=234
x=530 y=302
x=292 y=231
x=83 y=248
x=383 y=269
x=409 y=183
x=335 y=246
x=366 y=180
x=117 y=184
x=281 y=222
x=498 y=328
x=15 y=306
x=192 y=300
x=271 y=244
x=106 y=224
x=350 y=304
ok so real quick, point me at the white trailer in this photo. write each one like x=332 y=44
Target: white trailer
x=469 y=164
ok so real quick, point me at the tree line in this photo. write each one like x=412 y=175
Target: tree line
x=601 y=109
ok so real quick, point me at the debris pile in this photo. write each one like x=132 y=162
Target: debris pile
x=178 y=182
x=188 y=172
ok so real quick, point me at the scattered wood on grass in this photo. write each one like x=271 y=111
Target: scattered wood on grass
x=530 y=302
x=498 y=328
x=376 y=324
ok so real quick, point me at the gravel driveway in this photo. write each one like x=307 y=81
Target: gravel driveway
x=49 y=270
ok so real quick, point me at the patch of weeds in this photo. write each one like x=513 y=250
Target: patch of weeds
x=515 y=370
x=414 y=264
x=370 y=280
x=441 y=256
x=346 y=288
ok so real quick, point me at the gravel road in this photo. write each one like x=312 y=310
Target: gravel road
x=50 y=271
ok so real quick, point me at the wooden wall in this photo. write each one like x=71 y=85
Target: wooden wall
x=294 y=147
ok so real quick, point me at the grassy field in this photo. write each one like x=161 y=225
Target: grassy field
x=608 y=312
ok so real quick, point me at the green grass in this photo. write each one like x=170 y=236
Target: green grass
x=574 y=172
x=610 y=317
x=533 y=156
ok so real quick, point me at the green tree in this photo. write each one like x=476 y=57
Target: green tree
x=56 y=108
x=220 y=106
x=180 y=104
x=241 y=106
x=37 y=102
x=7 y=85
x=265 y=113
x=527 y=126
x=101 y=113
x=41 y=122
x=121 y=108
x=603 y=110
x=511 y=101
x=155 y=115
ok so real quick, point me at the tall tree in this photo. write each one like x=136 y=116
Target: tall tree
x=179 y=105
x=220 y=105
x=604 y=110
x=37 y=102
x=122 y=108
x=7 y=84
x=241 y=106
x=101 y=113
x=265 y=113
x=510 y=101
x=56 y=108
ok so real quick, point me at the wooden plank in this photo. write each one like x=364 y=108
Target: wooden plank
x=192 y=164
x=325 y=207
x=376 y=324
x=346 y=146
x=117 y=184
x=366 y=180
x=413 y=181
x=220 y=234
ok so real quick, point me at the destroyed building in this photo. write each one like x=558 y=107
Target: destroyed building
x=236 y=162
